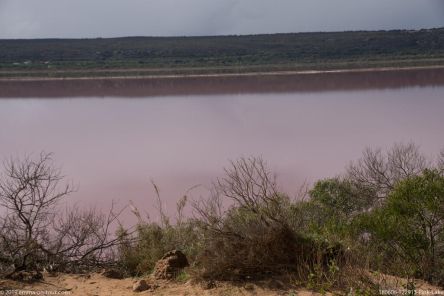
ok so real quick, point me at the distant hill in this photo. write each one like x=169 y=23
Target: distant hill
x=316 y=49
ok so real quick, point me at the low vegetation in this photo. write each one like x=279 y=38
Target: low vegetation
x=220 y=54
x=385 y=214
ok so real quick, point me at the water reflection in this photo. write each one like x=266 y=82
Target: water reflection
x=112 y=147
x=148 y=87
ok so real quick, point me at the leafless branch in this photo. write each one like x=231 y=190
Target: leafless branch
x=34 y=233
x=380 y=170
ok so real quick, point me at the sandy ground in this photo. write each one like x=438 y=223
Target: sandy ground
x=96 y=284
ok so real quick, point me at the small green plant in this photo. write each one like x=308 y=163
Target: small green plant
x=182 y=277
x=333 y=269
x=316 y=280
x=323 y=278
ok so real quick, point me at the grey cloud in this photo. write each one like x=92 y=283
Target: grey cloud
x=111 y=18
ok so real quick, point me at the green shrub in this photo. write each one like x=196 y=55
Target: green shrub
x=409 y=228
x=247 y=229
x=139 y=254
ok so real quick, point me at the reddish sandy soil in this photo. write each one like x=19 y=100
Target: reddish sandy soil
x=96 y=284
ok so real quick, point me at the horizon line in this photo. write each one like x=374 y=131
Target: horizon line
x=223 y=35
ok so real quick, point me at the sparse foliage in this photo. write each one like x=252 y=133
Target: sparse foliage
x=138 y=252
x=441 y=161
x=33 y=232
x=253 y=235
x=82 y=238
x=250 y=185
x=385 y=214
x=380 y=171
x=29 y=192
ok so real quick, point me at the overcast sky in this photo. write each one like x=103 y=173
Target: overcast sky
x=112 y=18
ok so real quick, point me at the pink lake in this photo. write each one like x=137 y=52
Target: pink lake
x=112 y=137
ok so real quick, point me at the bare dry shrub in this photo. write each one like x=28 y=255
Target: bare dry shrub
x=33 y=232
x=254 y=236
x=82 y=240
x=264 y=252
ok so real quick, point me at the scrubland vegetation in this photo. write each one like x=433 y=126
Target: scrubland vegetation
x=220 y=54
x=384 y=214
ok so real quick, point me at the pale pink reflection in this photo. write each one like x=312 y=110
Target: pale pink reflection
x=112 y=147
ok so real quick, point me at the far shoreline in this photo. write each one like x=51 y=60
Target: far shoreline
x=223 y=83
x=210 y=74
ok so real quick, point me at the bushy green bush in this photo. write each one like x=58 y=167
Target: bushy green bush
x=410 y=226
x=261 y=232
